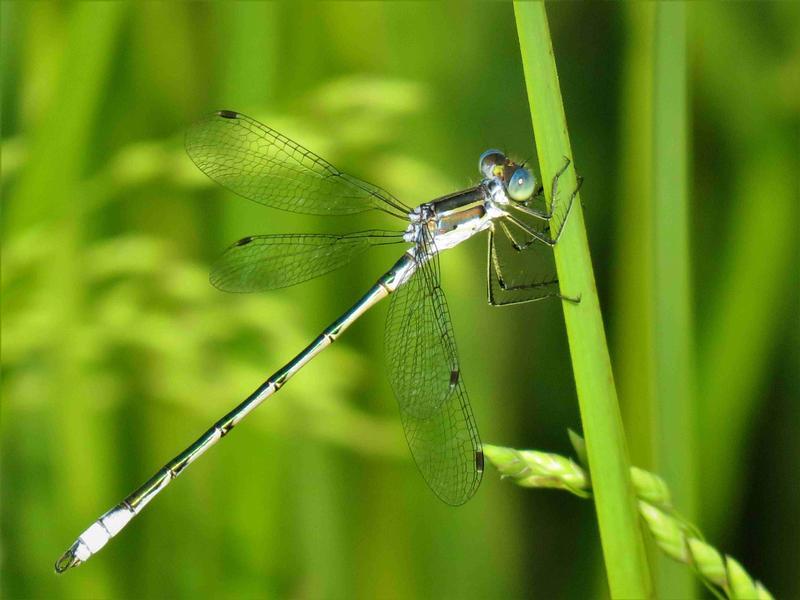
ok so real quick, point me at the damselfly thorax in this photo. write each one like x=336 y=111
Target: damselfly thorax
x=454 y=218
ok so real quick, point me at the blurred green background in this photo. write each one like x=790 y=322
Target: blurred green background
x=116 y=352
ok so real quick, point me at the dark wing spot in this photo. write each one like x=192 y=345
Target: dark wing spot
x=228 y=114
x=454 y=378
x=244 y=241
x=479 y=460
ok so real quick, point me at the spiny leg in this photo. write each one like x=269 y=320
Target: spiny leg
x=540 y=236
x=521 y=248
x=493 y=261
x=514 y=243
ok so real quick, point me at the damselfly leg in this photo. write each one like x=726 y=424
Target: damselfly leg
x=520 y=267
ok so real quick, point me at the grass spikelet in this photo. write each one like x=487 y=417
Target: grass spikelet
x=677 y=538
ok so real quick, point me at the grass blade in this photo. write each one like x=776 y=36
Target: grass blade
x=623 y=548
x=634 y=254
x=672 y=313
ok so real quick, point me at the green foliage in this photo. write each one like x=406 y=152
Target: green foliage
x=116 y=352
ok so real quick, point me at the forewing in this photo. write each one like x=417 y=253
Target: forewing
x=425 y=375
x=257 y=162
x=267 y=262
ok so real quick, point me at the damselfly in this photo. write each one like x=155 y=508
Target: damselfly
x=262 y=165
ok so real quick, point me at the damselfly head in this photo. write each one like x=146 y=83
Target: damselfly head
x=519 y=182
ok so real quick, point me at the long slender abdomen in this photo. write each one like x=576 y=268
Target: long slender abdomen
x=111 y=523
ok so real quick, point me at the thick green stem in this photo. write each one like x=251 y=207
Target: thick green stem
x=623 y=547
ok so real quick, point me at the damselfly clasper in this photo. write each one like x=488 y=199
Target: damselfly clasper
x=257 y=162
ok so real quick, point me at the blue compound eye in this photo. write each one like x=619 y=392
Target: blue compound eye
x=521 y=185
x=489 y=160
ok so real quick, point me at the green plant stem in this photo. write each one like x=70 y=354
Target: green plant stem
x=676 y=537
x=670 y=279
x=634 y=255
x=623 y=547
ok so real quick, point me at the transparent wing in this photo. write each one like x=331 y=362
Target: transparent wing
x=262 y=165
x=267 y=262
x=425 y=376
